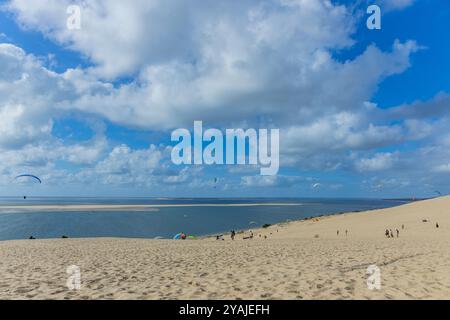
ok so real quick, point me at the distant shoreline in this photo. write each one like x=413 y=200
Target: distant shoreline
x=137 y=207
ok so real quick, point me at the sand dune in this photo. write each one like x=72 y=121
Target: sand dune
x=299 y=260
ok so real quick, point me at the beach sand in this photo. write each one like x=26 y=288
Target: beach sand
x=298 y=260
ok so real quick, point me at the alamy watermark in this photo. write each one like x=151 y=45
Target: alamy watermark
x=374 y=20
x=74 y=280
x=241 y=147
x=374 y=280
x=73 y=21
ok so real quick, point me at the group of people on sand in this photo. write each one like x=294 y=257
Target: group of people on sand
x=250 y=235
x=233 y=235
x=389 y=234
x=346 y=232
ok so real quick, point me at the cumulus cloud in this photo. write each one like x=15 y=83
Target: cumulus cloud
x=444 y=168
x=148 y=167
x=24 y=105
x=122 y=39
x=125 y=166
x=30 y=100
x=379 y=162
x=18 y=128
x=380 y=184
x=273 y=58
x=223 y=64
x=43 y=156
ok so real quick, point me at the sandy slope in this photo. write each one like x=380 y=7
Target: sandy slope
x=300 y=260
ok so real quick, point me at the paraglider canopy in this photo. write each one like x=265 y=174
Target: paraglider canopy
x=27 y=177
x=33 y=177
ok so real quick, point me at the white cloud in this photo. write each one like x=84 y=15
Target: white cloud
x=42 y=156
x=325 y=143
x=17 y=127
x=24 y=107
x=85 y=152
x=377 y=184
x=379 y=162
x=174 y=95
x=444 y=168
x=122 y=161
x=223 y=64
x=4 y=37
x=121 y=39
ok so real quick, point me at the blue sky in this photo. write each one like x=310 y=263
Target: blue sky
x=361 y=113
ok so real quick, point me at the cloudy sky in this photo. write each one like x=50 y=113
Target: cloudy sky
x=361 y=113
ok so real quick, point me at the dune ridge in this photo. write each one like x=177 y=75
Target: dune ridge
x=298 y=260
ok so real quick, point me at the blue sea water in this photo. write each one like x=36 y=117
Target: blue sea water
x=166 y=221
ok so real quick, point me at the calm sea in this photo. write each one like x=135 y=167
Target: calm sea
x=166 y=221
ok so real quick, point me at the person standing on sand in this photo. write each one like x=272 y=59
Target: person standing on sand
x=233 y=233
x=337 y=233
x=398 y=232
x=386 y=233
x=392 y=234
x=346 y=232
x=437 y=225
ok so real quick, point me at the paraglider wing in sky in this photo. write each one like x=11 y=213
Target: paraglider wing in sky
x=29 y=176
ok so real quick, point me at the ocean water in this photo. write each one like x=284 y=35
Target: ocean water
x=164 y=222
